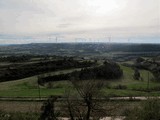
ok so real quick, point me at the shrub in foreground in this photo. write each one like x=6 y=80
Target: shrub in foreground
x=149 y=110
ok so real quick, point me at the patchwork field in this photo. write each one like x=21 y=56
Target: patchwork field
x=126 y=86
x=32 y=79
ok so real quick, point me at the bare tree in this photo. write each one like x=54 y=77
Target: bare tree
x=86 y=103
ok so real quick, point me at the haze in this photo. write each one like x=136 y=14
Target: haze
x=32 y=21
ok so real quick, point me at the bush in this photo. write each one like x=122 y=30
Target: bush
x=18 y=116
x=122 y=87
x=107 y=71
x=50 y=85
x=48 y=110
x=149 y=110
x=136 y=75
x=4 y=116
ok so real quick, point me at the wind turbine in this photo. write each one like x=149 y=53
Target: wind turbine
x=56 y=39
x=109 y=39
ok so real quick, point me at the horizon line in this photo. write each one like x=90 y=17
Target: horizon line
x=5 y=44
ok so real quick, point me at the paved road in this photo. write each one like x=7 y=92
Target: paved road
x=105 y=118
x=61 y=98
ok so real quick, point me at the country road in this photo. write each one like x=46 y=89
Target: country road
x=140 y=98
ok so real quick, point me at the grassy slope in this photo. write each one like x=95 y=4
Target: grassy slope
x=127 y=80
x=29 y=87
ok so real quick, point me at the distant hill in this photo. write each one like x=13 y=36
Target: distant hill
x=78 y=49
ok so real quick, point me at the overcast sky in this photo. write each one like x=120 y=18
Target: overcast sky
x=26 y=21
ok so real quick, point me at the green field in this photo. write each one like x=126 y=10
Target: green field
x=28 y=87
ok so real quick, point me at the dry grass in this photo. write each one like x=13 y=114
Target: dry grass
x=15 y=106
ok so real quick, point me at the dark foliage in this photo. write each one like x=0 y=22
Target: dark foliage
x=121 y=87
x=148 y=110
x=14 y=59
x=107 y=71
x=17 y=72
x=156 y=73
x=43 y=80
x=139 y=60
x=48 y=110
x=136 y=75
x=149 y=65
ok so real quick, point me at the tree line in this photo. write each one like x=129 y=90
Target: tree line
x=151 y=65
x=109 y=70
x=15 y=72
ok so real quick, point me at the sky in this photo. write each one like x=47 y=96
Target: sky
x=34 y=21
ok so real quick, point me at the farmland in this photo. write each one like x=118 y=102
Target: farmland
x=59 y=64
x=29 y=87
x=26 y=82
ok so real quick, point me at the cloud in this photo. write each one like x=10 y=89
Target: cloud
x=79 y=18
